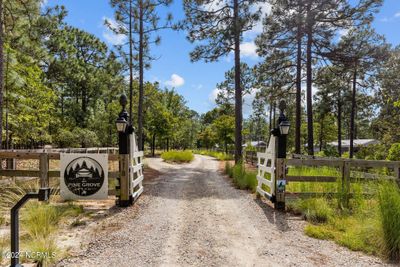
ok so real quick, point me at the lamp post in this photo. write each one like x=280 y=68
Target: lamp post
x=281 y=133
x=124 y=128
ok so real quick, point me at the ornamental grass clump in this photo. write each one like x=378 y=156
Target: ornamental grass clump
x=389 y=207
x=241 y=178
x=177 y=156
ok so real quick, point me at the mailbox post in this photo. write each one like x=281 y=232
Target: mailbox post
x=42 y=195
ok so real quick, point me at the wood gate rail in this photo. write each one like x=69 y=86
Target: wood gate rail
x=268 y=164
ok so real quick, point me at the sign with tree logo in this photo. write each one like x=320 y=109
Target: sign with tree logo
x=84 y=176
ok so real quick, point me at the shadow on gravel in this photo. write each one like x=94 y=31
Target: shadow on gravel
x=277 y=218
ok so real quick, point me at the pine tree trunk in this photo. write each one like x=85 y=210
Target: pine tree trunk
x=7 y=144
x=310 y=134
x=274 y=116
x=270 y=123
x=130 y=61
x=238 y=89
x=352 y=115
x=153 y=145
x=321 y=130
x=141 y=89
x=1 y=72
x=339 y=122
x=298 y=93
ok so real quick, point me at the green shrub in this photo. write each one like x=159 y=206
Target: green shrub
x=389 y=207
x=177 y=156
x=329 y=151
x=78 y=137
x=86 y=138
x=372 y=152
x=394 y=152
x=65 y=138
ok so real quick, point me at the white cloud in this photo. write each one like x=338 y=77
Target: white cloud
x=44 y=3
x=213 y=95
x=397 y=14
x=110 y=36
x=248 y=49
x=175 y=81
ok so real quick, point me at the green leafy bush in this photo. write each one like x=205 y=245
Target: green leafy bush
x=394 y=152
x=372 y=152
x=86 y=138
x=78 y=137
x=329 y=151
x=389 y=207
x=177 y=156
x=66 y=138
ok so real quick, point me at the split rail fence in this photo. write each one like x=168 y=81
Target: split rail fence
x=43 y=158
x=343 y=172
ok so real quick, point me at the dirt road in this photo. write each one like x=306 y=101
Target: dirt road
x=192 y=216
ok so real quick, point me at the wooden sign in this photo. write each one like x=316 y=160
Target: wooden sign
x=83 y=176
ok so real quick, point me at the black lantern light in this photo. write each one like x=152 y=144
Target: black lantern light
x=122 y=121
x=284 y=127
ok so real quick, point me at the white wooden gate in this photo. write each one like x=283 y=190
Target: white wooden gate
x=266 y=165
x=135 y=168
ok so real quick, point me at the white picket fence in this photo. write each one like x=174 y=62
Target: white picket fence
x=135 y=168
x=266 y=165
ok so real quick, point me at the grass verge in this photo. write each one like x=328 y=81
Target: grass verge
x=243 y=179
x=39 y=223
x=177 y=156
x=214 y=154
x=370 y=224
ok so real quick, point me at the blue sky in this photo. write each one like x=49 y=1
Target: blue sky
x=195 y=81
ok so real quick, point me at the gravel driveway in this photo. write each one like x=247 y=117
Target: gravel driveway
x=192 y=216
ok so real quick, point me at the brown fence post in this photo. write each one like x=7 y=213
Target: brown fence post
x=397 y=174
x=280 y=184
x=124 y=180
x=345 y=184
x=44 y=170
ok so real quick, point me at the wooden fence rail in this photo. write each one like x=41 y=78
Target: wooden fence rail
x=345 y=172
x=44 y=173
